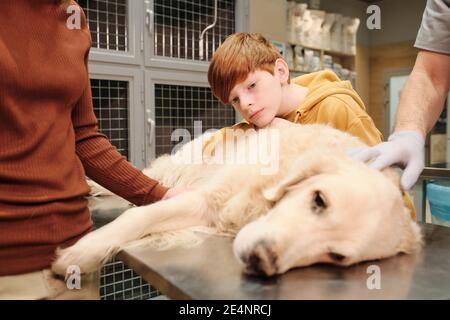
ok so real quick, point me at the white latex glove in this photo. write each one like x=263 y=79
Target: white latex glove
x=405 y=148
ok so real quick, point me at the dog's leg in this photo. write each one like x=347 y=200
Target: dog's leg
x=90 y=252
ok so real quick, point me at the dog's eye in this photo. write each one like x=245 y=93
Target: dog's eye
x=319 y=204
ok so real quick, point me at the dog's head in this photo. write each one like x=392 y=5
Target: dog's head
x=328 y=209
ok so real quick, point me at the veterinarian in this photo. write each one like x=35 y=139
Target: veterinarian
x=422 y=99
x=249 y=73
x=49 y=141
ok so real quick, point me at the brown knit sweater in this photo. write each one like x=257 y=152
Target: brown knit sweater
x=49 y=138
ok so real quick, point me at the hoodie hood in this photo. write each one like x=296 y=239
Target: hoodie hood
x=321 y=85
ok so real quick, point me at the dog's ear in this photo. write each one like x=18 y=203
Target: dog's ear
x=410 y=232
x=412 y=238
x=309 y=164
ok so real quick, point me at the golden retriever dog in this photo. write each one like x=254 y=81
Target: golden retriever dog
x=314 y=205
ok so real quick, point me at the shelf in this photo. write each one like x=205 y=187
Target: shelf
x=294 y=73
x=342 y=54
x=330 y=52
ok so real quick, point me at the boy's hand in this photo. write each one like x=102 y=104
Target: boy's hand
x=405 y=148
x=279 y=123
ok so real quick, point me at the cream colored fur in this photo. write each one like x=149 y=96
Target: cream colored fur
x=276 y=218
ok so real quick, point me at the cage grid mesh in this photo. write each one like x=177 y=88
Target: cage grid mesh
x=118 y=282
x=179 y=23
x=108 y=23
x=110 y=100
x=177 y=107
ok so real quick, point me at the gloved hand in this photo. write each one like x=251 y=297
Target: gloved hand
x=405 y=148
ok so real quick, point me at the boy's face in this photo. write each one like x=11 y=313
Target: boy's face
x=258 y=98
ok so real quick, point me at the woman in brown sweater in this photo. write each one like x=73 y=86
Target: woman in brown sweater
x=48 y=142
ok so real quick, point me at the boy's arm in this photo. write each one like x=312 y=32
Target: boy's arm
x=345 y=114
x=104 y=164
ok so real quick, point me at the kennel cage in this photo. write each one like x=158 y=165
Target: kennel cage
x=140 y=51
x=111 y=103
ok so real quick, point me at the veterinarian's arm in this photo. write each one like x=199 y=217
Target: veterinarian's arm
x=104 y=164
x=421 y=103
x=423 y=97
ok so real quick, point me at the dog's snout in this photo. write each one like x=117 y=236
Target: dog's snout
x=261 y=259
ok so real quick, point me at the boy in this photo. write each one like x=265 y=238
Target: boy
x=249 y=73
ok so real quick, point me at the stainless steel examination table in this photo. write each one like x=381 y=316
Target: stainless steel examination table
x=210 y=271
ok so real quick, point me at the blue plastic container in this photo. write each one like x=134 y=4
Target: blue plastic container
x=438 y=194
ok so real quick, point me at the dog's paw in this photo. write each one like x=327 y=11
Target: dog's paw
x=86 y=259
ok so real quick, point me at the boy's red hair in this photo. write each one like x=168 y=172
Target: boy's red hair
x=240 y=54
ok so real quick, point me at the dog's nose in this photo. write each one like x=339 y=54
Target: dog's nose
x=261 y=259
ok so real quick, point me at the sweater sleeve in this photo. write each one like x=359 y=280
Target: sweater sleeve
x=103 y=163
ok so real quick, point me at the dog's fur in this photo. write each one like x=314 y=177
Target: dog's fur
x=320 y=206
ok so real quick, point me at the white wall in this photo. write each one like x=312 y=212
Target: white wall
x=400 y=21
x=268 y=17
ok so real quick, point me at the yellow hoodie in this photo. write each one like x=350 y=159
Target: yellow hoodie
x=334 y=102
x=329 y=101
